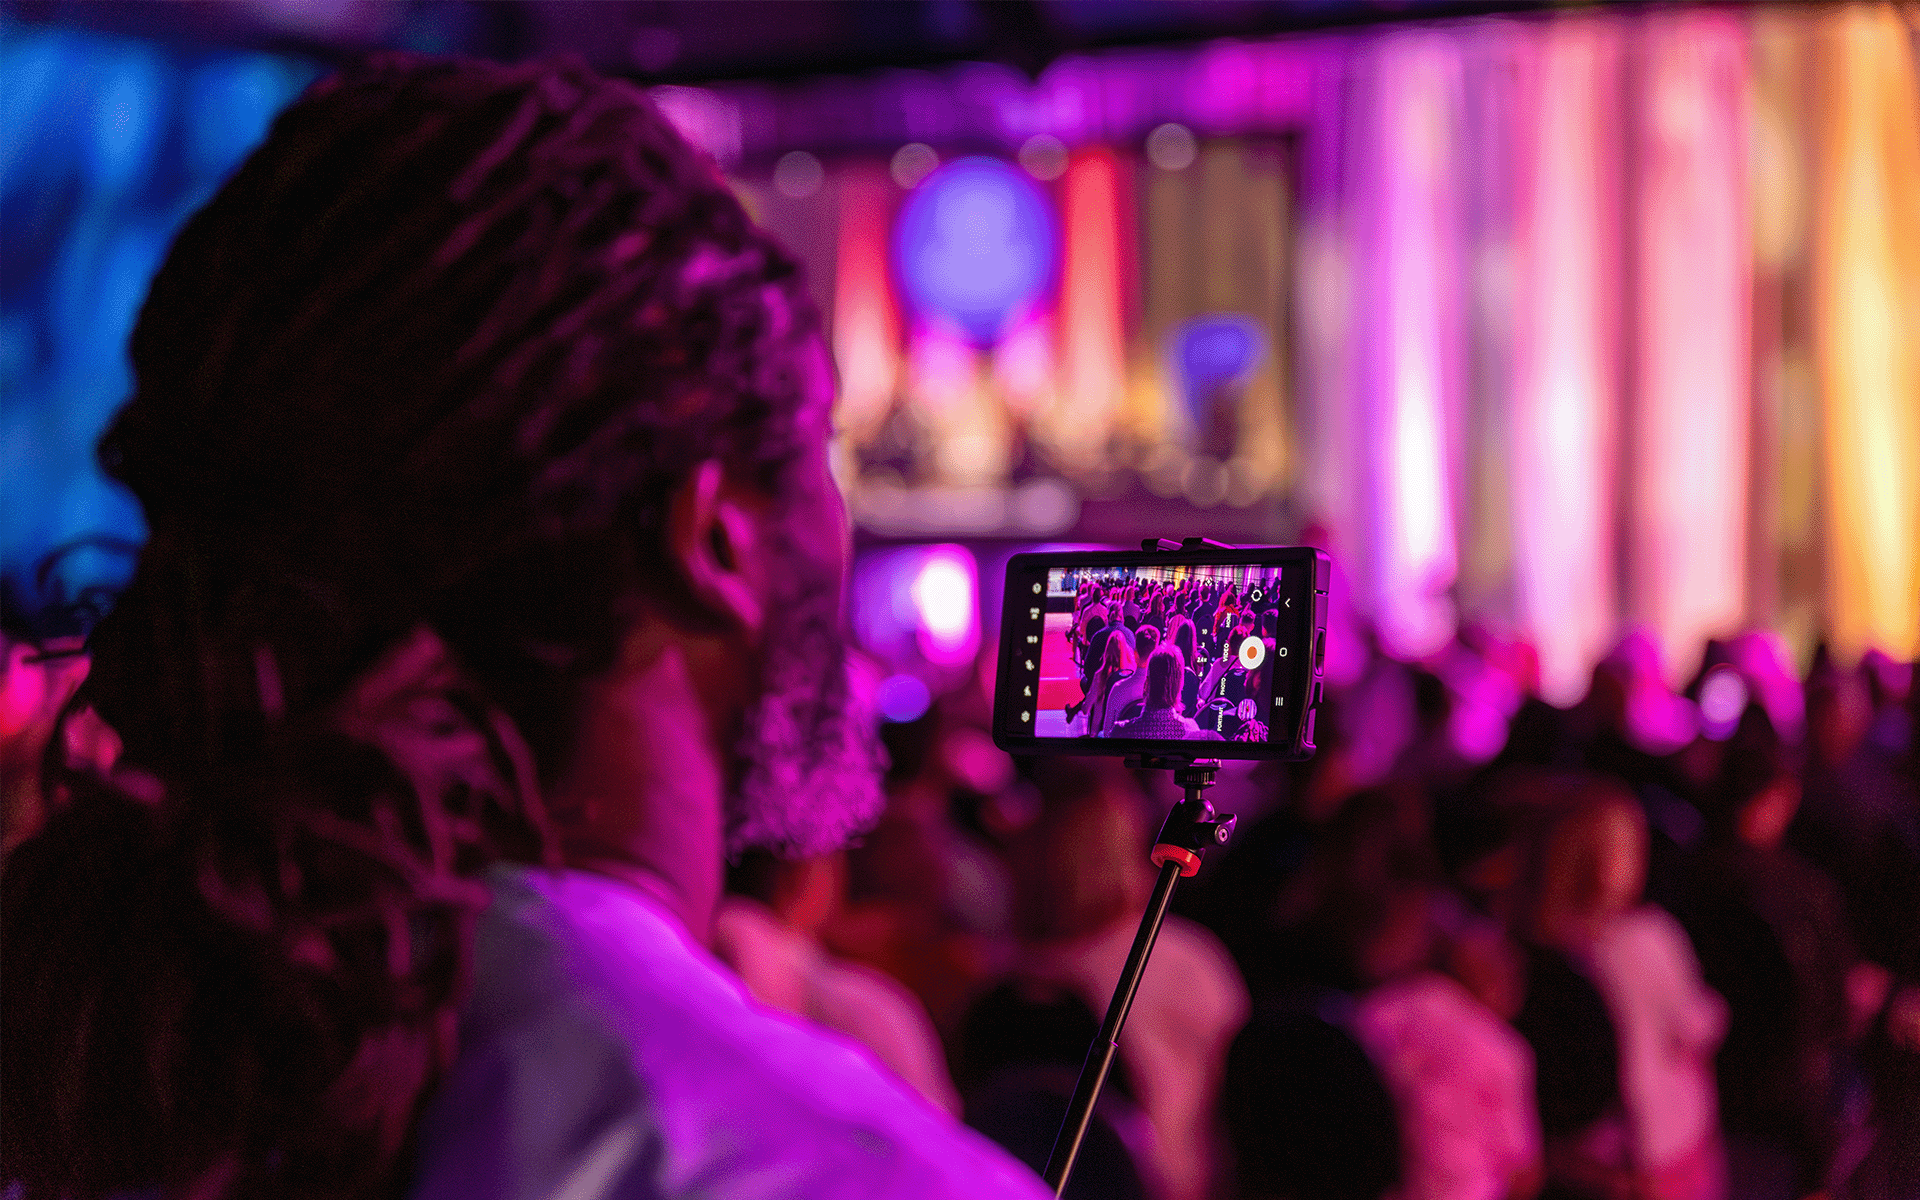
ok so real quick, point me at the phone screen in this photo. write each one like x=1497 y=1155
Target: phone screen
x=1159 y=652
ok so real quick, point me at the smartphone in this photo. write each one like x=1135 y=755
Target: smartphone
x=1202 y=651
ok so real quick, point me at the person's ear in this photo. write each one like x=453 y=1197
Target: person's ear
x=717 y=538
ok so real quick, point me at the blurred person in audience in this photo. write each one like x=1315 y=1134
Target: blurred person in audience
x=1090 y=642
x=1242 y=888
x=1081 y=884
x=767 y=929
x=1117 y=665
x=1859 y=816
x=1667 y=1022
x=1562 y=1014
x=1100 y=635
x=1225 y=613
x=1889 y=1166
x=1128 y=696
x=1308 y=1114
x=1161 y=717
x=1461 y=1078
x=1182 y=635
x=925 y=904
x=1772 y=936
x=491 y=601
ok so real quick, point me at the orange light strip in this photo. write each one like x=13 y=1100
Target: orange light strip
x=1867 y=326
x=1092 y=337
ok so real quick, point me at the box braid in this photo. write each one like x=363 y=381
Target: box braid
x=412 y=393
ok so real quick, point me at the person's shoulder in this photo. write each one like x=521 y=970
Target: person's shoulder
x=600 y=1037
x=1645 y=928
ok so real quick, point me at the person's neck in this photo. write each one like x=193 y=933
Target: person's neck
x=642 y=801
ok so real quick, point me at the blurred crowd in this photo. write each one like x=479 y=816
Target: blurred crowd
x=1655 y=945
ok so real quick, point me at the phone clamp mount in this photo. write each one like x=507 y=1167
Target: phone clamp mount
x=1191 y=828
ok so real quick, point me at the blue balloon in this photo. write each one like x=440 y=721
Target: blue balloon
x=976 y=247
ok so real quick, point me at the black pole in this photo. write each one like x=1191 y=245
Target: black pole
x=1093 y=1074
x=1190 y=828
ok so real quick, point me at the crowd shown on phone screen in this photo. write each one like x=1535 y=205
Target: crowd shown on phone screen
x=1160 y=659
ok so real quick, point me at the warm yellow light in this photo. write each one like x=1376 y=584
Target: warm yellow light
x=1867 y=313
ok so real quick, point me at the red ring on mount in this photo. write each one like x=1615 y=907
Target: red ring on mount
x=1164 y=853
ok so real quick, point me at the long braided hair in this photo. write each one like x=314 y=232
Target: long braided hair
x=412 y=393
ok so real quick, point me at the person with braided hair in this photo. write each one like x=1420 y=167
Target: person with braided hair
x=491 y=601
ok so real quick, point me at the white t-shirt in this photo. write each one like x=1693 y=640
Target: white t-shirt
x=786 y=969
x=1669 y=1023
x=1462 y=1081
x=604 y=1053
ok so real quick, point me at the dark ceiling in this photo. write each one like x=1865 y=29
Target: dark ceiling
x=696 y=40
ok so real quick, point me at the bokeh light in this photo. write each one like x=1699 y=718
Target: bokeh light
x=976 y=247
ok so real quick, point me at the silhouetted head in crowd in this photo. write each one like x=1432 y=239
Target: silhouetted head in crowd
x=1362 y=898
x=1306 y=1111
x=479 y=431
x=1757 y=791
x=1165 y=673
x=1839 y=710
x=1181 y=636
x=1078 y=867
x=1148 y=639
x=1588 y=863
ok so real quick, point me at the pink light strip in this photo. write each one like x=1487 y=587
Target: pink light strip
x=1413 y=234
x=1687 y=532
x=866 y=328
x=1567 y=242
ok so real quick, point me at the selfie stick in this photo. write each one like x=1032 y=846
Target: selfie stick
x=1189 y=830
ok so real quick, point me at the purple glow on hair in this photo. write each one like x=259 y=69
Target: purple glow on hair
x=1657 y=721
x=1765 y=666
x=1723 y=697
